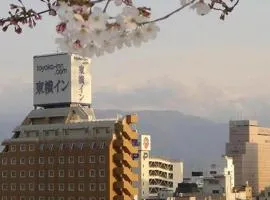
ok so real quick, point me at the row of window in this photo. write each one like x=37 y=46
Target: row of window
x=48 y=133
x=69 y=146
x=52 y=160
x=50 y=198
x=52 y=173
x=71 y=187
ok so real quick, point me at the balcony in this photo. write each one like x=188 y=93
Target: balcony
x=122 y=197
x=126 y=145
x=126 y=173
x=120 y=158
x=124 y=186
x=129 y=133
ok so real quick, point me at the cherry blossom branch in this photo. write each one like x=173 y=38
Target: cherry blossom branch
x=226 y=9
x=106 y=6
x=170 y=14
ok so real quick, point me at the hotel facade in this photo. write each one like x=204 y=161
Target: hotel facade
x=61 y=151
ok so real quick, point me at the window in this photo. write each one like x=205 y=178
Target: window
x=41 y=187
x=22 y=161
x=51 y=173
x=81 y=173
x=71 y=187
x=101 y=159
x=92 y=159
x=81 y=159
x=31 y=187
x=13 y=148
x=101 y=172
x=13 y=161
x=31 y=147
x=61 y=187
x=71 y=159
x=13 y=174
x=41 y=147
x=92 y=172
x=215 y=191
x=46 y=133
x=102 y=145
x=22 y=187
x=71 y=173
x=4 y=174
x=22 y=174
x=51 y=187
x=51 y=147
x=102 y=187
x=92 y=187
x=61 y=160
x=31 y=160
x=4 y=161
x=41 y=173
x=22 y=147
x=31 y=173
x=4 y=186
x=13 y=186
x=93 y=145
x=61 y=173
x=51 y=160
x=81 y=187
x=41 y=160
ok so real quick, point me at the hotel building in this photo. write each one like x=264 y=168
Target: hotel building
x=61 y=151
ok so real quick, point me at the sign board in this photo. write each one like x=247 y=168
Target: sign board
x=145 y=142
x=61 y=79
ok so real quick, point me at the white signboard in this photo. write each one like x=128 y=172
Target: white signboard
x=61 y=79
x=145 y=142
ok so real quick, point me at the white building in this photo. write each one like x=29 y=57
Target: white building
x=156 y=173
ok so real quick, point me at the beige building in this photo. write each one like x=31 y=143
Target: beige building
x=249 y=146
x=61 y=151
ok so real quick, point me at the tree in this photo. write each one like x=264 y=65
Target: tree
x=88 y=29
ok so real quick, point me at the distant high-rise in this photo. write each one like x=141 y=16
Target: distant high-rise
x=249 y=146
x=60 y=151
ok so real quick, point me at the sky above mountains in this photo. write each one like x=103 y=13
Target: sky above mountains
x=197 y=65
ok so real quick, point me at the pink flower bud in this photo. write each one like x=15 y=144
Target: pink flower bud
x=18 y=29
x=60 y=28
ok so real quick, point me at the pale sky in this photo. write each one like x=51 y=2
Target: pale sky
x=197 y=65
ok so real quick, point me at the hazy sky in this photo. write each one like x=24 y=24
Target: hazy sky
x=197 y=65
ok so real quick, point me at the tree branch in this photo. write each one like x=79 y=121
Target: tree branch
x=170 y=14
x=106 y=6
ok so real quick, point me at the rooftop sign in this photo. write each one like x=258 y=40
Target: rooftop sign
x=61 y=79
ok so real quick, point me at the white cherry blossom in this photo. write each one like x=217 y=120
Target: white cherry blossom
x=118 y=2
x=97 y=19
x=137 y=37
x=150 y=31
x=201 y=8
